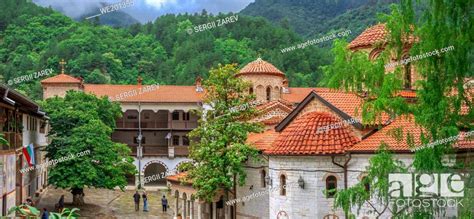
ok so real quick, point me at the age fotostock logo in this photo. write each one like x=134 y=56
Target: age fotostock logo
x=426 y=189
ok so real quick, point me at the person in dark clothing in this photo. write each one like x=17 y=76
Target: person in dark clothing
x=145 y=202
x=45 y=214
x=136 y=199
x=164 y=203
x=61 y=204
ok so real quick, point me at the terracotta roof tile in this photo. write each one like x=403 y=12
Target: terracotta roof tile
x=260 y=66
x=369 y=37
x=163 y=93
x=407 y=93
x=262 y=141
x=179 y=178
x=348 y=102
x=465 y=142
x=302 y=137
x=62 y=79
x=406 y=124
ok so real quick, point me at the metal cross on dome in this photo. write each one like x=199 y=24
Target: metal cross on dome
x=62 y=63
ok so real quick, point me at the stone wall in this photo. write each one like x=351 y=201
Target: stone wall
x=256 y=207
x=261 y=82
x=58 y=90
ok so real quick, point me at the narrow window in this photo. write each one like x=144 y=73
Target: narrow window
x=175 y=115
x=407 y=76
x=176 y=140
x=186 y=116
x=331 y=185
x=283 y=185
x=251 y=90
x=269 y=93
x=366 y=184
x=185 y=140
x=263 y=176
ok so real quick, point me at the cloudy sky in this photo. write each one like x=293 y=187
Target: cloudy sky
x=148 y=10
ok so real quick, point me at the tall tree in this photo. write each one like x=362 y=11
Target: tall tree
x=82 y=122
x=221 y=150
x=444 y=107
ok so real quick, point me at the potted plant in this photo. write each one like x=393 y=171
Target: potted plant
x=25 y=211
x=65 y=213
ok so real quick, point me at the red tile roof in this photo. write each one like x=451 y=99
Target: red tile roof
x=466 y=141
x=302 y=137
x=62 y=79
x=369 y=37
x=179 y=178
x=162 y=93
x=260 y=66
x=262 y=141
x=405 y=124
x=407 y=93
x=348 y=102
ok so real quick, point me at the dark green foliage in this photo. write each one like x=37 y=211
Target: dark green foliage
x=316 y=18
x=82 y=122
x=160 y=52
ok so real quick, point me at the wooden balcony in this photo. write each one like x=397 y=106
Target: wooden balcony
x=158 y=125
x=15 y=140
x=151 y=150
x=181 y=150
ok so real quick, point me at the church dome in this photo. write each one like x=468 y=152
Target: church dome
x=260 y=66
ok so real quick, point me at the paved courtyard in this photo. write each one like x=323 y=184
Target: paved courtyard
x=109 y=204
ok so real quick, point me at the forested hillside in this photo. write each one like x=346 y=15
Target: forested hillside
x=161 y=52
x=312 y=18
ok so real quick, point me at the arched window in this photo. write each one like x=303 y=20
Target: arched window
x=366 y=184
x=263 y=175
x=283 y=185
x=269 y=93
x=407 y=80
x=331 y=186
x=251 y=90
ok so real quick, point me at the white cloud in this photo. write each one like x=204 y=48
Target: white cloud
x=159 y=3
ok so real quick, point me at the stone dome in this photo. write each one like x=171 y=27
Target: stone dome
x=260 y=66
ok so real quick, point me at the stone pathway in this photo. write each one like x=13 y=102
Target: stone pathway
x=111 y=204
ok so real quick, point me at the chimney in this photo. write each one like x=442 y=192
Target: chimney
x=198 y=84
x=139 y=80
x=285 y=89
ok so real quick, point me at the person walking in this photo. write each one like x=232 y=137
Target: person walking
x=136 y=199
x=61 y=204
x=45 y=214
x=145 y=202
x=164 y=203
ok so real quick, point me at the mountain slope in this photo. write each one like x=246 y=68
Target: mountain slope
x=312 y=18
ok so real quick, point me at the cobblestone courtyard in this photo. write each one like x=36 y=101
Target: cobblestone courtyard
x=108 y=204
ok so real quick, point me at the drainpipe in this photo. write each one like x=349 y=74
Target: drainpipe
x=344 y=167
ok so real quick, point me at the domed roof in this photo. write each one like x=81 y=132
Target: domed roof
x=369 y=37
x=260 y=66
x=314 y=133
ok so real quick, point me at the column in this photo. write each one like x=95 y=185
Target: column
x=191 y=214
x=177 y=206
x=184 y=209
x=226 y=211
x=199 y=216
x=214 y=210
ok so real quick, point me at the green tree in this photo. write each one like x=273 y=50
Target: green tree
x=221 y=150
x=440 y=92
x=82 y=122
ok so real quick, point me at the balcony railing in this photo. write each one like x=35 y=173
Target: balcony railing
x=15 y=140
x=159 y=125
x=151 y=150
x=181 y=150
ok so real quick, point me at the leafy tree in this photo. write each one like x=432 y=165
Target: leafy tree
x=81 y=122
x=24 y=210
x=96 y=77
x=373 y=189
x=440 y=92
x=221 y=150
